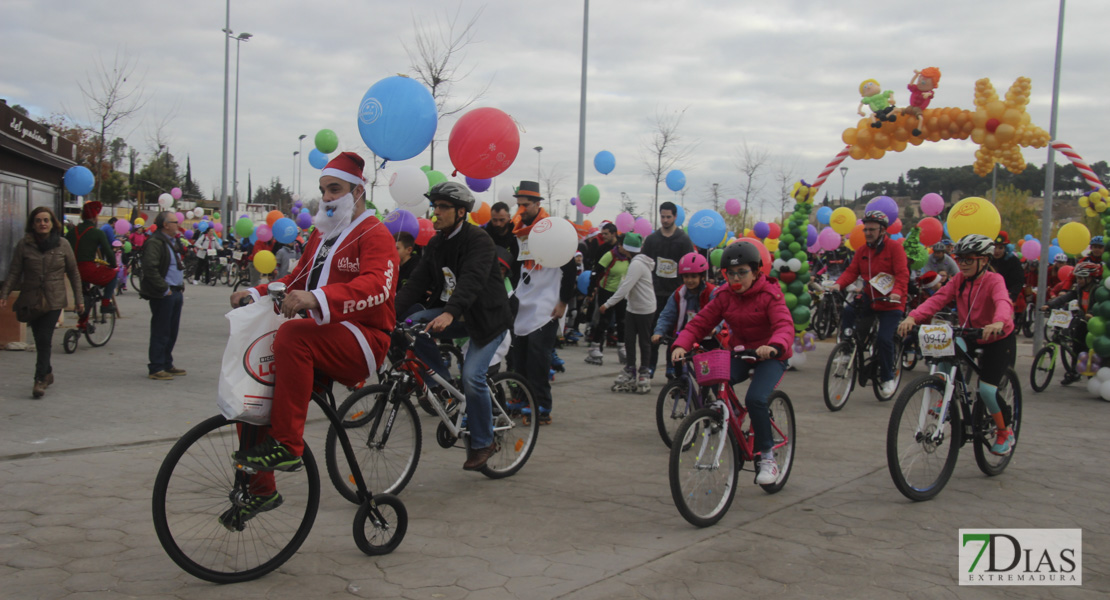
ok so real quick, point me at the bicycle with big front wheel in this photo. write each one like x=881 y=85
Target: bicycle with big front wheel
x=712 y=446
x=856 y=359
x=1060 y=346
x=940 y=412
x=383 y=421
x=94 y=323
x=198 y=481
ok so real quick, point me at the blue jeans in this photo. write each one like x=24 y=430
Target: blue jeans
x=165 y=317
x=765 y=376
x=479 y=406
x=884 y=339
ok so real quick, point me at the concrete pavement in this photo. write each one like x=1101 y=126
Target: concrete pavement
x=590 y=515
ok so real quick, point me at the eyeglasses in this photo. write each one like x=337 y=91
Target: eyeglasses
x=170 y=223
x=738 y=273
x=871 y=230
x=442 y=206
x=967 y=260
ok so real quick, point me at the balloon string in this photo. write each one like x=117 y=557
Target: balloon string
x=383 y=163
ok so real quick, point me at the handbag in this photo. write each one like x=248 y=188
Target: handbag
x=29 y=310
x=246 y=388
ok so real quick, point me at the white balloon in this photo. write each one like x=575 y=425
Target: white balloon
x=407 y=186
x=798 y=360
x=198 y=212
x=552 y=242
x=794 y=264
x=1094 y=386
x=1103 y=374
x=189 y=214
x=778 y=264
x=165 y=201
x=1106 y=282
x=1104 y=390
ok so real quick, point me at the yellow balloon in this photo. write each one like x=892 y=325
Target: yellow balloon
x=265 y=262
x=772 y=244
x=842 y=220
x=139 y=222
x=1074 y=237
x=973 y=215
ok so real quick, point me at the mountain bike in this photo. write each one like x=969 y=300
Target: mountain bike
x=681 y=396
x=135 y=269
x=826 y=316
x=383 y=422
x=714 y=443
x=1060 y=346
x=856 y=359
x=95 y=324
x=940 y=412
x=198 y=478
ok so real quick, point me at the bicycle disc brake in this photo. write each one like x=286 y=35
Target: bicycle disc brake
x=444 y=437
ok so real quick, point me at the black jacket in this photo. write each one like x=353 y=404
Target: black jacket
x=478 y=298
x=158 y=251
x=1009 y=267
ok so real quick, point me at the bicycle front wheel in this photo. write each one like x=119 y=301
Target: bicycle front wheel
x=1040 y=374
x=921 y=449
x=703 y=467
x=840 y=375
x=782 y=434
x=1009 y=401
x=386 y=445
x=197 y=483
x=514 y=400
x=100 y=326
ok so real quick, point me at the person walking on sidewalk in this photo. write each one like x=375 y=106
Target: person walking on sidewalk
x=637 y=287
x=163 y=285
x=41 y=262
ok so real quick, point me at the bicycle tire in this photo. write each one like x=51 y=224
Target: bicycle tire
x=100 y=326
x=909 y=355
x=516 y=440
x=69 y=341
x=783 y=432
x=876 y=387
x=671 y=409
x=1044 y=364
x=386 y=519
x=913 y=458
x=842 y=382
x=703 y=491
x=1009 y=401
x=136 y=278
x=385 y=469
x=192 y=489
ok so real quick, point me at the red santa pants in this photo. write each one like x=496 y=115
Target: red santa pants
x=96 y=273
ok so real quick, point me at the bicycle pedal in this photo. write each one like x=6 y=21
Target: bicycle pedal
x=244 y=468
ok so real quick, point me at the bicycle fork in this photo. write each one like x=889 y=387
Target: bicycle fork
x=928 y=406
x=722 y=441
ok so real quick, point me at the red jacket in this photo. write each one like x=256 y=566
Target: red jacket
x=757 y=317
x=889 y=258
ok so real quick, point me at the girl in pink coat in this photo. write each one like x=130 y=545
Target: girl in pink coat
x=754 y=307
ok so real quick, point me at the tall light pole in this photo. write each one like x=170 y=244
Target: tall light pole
x=242 y=37
x=223 y=149
x=843 y=174
x=295 y=154
x=300 y=165
x=539 y=168
x=582 y=106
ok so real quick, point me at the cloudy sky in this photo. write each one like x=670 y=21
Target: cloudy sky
x=781 y=76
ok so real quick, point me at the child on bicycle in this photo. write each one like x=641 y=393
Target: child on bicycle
x=981 y=301
x=686 y=301
x=754 y=307
x=1088 y=276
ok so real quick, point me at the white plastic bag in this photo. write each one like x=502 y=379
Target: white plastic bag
x=247 y=377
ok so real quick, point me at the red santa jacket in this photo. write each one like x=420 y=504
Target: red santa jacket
x=357 y=284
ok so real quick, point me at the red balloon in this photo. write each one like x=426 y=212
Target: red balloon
x=895 y=227
x=427 y=230
x=931 y=231
x=776 y=231
x=483 y=143
x=763 y=253
x=1064 y=272
x=787 y=276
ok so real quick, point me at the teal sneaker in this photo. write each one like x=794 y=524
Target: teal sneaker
x=1003 y=444
x=268 y=456
x=235 y=518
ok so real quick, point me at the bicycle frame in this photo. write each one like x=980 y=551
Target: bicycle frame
x=955 y=379
x=734 y=413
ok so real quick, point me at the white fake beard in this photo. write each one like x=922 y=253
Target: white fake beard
x=333 y=217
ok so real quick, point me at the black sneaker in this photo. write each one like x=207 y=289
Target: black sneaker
x=236 y=517
x=107 y=309
x=268 y=456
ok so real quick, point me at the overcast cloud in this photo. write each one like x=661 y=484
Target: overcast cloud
x=781 y=75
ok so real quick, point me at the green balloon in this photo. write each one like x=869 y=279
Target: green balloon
x=589 y=195
x=805 y=299
x=796 y=287
x=795 y=248
x=244 y=227
x=1102 y=346
x=800 y=314
x=785 y=254
x=786 y=239
x=127 y=246
x=715 y=257
x=425 y=168
x=1090 y=340
x=774 y=274
x=1101 y=294
x=1097 y=326
x=805 y=269
x=791 y=300
x=1102 y=309
x=803 y=276
x=435 y=178
x=326 y=141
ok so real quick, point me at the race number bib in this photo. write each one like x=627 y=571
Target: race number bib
x=883 y=283
x=201 y=253
x=665 y=267
x=448 y=285
x=936 y=340
x=237 y=255
x=525 y=253
x=223 y=260
x=1060 y=319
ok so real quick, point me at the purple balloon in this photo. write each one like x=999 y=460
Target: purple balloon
x=886 y=205
x=478 y=185
x=304 y=220
x=573 y=200
x=761 y=230
x=188 y=234
x=811 y=235
x=402 y=220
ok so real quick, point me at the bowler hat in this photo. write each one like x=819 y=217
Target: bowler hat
x=528 y=189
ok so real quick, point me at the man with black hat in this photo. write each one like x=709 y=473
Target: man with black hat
x=544 y=294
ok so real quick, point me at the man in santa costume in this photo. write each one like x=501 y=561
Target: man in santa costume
x=87 y=240
x=345 y=280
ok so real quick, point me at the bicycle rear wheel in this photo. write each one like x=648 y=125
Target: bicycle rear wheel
x=1009 y=401
x=387 y=459
x=1040 y=374
x=515 y=439
x=100 y=326
x=70 y=339
x=782 y=434
x=193 y=488
x=920 y=461
x=136 y=277
x=840 y=375
x=703 y=467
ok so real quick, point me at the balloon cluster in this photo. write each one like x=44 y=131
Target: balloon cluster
x=938 y=124
x=803 y=193
x=1099 y=385
x=1095 y=202
x=803 y=342
x=1002 y=127
x=791 y=265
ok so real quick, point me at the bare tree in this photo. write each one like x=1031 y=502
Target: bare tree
x=440 y=48
x=751 y=162
x=110 y=99
x=628 y=205
x=550 y=181
x=665 y=150
x=785 y=176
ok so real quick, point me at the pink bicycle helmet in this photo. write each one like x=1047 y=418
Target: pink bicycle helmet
x=693 y=263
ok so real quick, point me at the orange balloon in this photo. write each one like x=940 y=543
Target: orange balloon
x=588 y=224
x=272 y=217
x=856 y=237
x=481 y=214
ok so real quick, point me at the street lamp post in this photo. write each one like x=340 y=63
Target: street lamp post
x=300 y=166
x=843 y=174
x=295 y=154
x=539 y=168
x=230 y=218
x=223 y=149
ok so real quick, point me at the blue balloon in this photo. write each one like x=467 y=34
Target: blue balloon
x=202 y=226
x=317 y=159
x=676 y=180
x=397 y=118
x=679 y=216
x=584 y=282
x=478 y=185
x=896 y=236
x=304 y=211
x=1028 y=236
x=1053 y=250
x=605 y=162
x=1055 y=241
x=253 y=238
x=707 y=228
x=761 y=230
x=824 y=214
x=79 y=180
x=285 y=230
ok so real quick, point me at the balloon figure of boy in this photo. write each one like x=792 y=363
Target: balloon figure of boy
x=881 y=103
x=921 y=93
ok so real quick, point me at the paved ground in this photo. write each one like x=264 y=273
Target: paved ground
x=590 y=516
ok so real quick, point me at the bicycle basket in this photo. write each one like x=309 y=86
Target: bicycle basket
x=713 y=367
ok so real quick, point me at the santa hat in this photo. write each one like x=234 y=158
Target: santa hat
x=90 y=210
x=347 y=166
x=929 y=279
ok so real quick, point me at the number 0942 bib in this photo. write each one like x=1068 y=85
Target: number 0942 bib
x=936 y=340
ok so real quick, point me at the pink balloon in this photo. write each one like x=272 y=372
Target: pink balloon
x=1031 y=250
x=828 y=239
x=625 y=222
x=176 y=193
x=181 y=218
x=642 y=227
x=122 y=227
x=932 y=204
x=219 y=227
x=732 y=206
x=263 y=232
x=582 y=208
